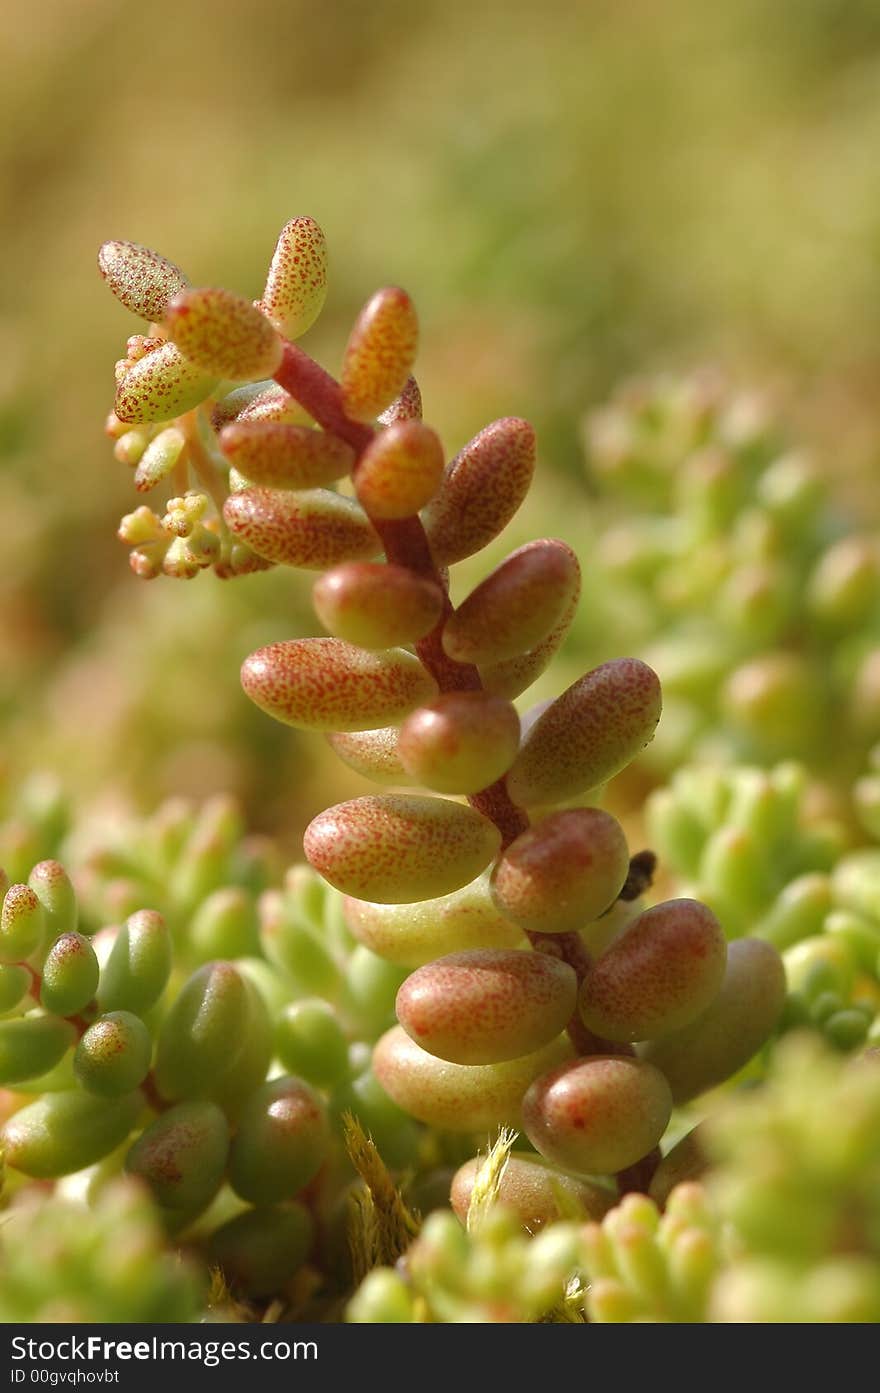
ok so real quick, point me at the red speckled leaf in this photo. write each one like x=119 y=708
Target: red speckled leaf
x=141 y=279
x=481 y=490
x=224 y=334
x=380 y=353
x=285 y=456
x=325 y=684
x=396 y=848
x=160 y=386
x=400 y=470
x=312 y=528
x=588 y=734
x=296 y=285
x=517 y=607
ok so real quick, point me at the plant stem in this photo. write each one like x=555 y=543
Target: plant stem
x=406 y=544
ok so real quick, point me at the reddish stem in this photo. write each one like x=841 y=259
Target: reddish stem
x=406 y=544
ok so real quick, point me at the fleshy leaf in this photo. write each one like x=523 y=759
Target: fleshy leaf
x=562 y=873
x=481 y=490
x=380 y=353
x=459 y=1097
x=326 y=684
x=486 y=1005
x=375 y=605
x=588 y=734
x=397 y=848
x=296 y=285
x=312 y=528
x=400 y=470
x=224 y=334
x=406 y=407
x=160 y=386
x=517 y=607
x=142 y=280
x=285 y=456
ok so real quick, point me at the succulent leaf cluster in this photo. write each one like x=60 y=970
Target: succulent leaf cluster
x=777 y=871
x=718 y=556
x=414 y=690
x=257 y=1068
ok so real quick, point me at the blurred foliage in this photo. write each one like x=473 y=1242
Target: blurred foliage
x=570 y=194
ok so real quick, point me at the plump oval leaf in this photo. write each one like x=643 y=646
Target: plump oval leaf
x=312 y=528
x=161 y=385
x=732 y=1028
x=459 y=1097
x=486 y=1005
x=141 y=279
x=283 y=456
x=597 y=1114
x=461 y=742
x=380 y=353
x=413 y=934
x=224 y=334
x=400 y=470
x=588 y=734
x=396 y=848
x=482 y=488
x=377 y=606
x=661 y=973
x=296 y=285
x=515 y=608
x=560 y=875
x=326 y=684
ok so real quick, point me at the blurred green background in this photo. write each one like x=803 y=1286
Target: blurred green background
x=572 y=193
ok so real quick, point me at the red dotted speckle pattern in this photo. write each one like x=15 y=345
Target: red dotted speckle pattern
x=400 y=470
x=397 y=848
x=224 y=334
x=160 y=386
x=485 y=1006
x=459 y=1097
x=588 y=734
x=665 y=970
x=406 y=407
x=312 y=528
x=481 y=490
x=380 y=353
x=141 y=279
x=371 y=753
x=326 y=684
x=285 y=456
x=517 y=607
x=296 y=285
x=562 y=874
x=599 y=1114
